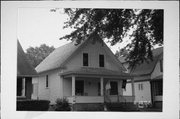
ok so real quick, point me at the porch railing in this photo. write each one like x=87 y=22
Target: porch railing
x=120 y=98
x=85 y=99
x=99 y=99
x=158 y=98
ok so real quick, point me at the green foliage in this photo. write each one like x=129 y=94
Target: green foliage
x=62 y=105
x=144 y=28
x=37 y=54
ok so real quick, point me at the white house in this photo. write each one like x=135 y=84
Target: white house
x=148 y=79
x=84 y=73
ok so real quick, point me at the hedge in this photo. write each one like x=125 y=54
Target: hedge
x=32 y=105
x=128 y=106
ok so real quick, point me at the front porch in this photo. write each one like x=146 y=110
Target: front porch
x=96 y=88
x=24 y=88
x=157 y=92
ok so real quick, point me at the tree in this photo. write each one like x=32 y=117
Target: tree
x=144 y=28
x=121 y=53
x=37 y=54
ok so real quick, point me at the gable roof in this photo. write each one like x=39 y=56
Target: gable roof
x=60 y=55
x=23 y=67
x=122 y=59
x=56 y=58
x=147 y=68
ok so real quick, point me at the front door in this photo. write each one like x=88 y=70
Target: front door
x=79 y=85
x=114 y=88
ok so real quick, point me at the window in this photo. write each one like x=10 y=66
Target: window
x=114 y=88
x=19 y=86
x=124 y=84
x=101 y=60
x=99 y=89
x=79 y=85
x=85 y=59
x=140 y=86
x=161 y=65
x=47 y=81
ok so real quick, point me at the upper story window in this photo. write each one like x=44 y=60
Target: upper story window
x=101 y=60
x=47 y=81
x=161 y=65
x=85 y=59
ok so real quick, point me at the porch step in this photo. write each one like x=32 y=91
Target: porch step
x=121 y=106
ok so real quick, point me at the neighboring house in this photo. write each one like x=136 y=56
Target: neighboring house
x=25 y=72
x=148 y=79
x=84 y=73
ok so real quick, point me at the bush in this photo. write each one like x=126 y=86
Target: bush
x=89 y=107
x=32 y=105
x=128 y=106
x=144 y=104
x=62 y=105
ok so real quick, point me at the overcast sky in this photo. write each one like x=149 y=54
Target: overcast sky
x=37 y=26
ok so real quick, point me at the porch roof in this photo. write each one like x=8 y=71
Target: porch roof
x=158 y=77
x=97 y=72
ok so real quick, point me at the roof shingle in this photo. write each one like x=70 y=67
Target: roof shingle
x=147 y=68
x=56 y=58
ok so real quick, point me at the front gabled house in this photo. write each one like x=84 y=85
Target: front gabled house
x=148 y=79
x=84 y=73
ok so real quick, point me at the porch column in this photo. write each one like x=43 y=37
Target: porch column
x=73 y=86
x=23 y=87
x=132 y=85
x=102 y=87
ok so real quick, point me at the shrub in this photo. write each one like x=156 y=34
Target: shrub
x=128 y=106
x=144 y=104
x=32 y=105
x=89 y=107
x=62 y=105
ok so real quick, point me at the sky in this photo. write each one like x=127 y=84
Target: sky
x=38 y=26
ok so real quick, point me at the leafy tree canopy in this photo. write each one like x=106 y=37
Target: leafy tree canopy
x=36 y=54
x=144 y=28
